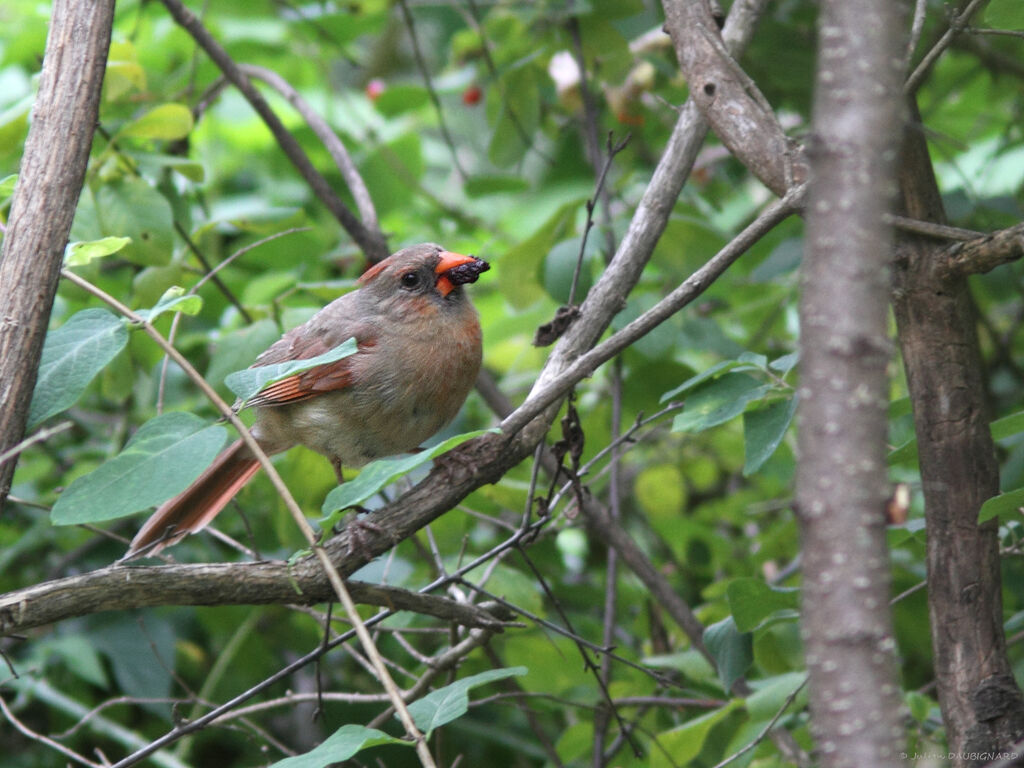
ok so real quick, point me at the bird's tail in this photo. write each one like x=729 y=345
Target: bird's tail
x=193 y=509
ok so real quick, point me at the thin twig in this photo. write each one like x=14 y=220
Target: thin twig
x=957 y=25
x=46 y=740
x=434 y=99
x=372 y=243
x=41 y=436
x=764 y=731
x=210 y=271
x=342 y=159
x=556 y=386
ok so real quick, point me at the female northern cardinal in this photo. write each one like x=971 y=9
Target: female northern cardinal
x=418 y=356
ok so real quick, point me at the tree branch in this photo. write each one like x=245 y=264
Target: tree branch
x=119 y=587
x=370 y=241
x=737 y=112
x=52 y=170
x=976 y=257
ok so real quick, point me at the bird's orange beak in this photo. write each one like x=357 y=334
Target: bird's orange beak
x=448 y=261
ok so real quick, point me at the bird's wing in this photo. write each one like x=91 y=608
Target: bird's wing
x=318 y=336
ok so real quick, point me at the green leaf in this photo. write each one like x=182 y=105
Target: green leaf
x=1008 y=426
x=480 y=186
x=77 y=254
x=393 y=172
x=446 y=704
x=72 y=356
x=175 y=299
x=250 y=381
x=80 y=656
x=1005 y=14
x=131 y=208
x=401 y=97
x=7 y=187
x=1009 y=503
x=732 y=650
x=763 y=431
x=161 y=459
x=340 y=745
x=378 y=474
x=516 y=284
x=718 y=402
x=785 y=363
x=683 y=743
x=560 y=265
x=691 y=663
x=167 y=121
x=771 y=694
x=748 y=361
x=751 y=601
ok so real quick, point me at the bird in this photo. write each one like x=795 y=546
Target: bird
x=419 y=350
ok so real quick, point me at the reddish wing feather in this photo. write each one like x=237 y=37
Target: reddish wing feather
x=315 y=381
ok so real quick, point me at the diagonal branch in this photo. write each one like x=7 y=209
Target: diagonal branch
x=370 y=241
x=737 y=112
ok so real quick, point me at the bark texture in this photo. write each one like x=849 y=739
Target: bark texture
x=981 y=704
x=52 y=170
x=842 y=475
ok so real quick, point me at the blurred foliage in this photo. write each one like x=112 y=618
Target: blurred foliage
x=706 y=495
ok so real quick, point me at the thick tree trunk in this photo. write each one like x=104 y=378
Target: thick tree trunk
x=52 y=170
x=842 y=476
x=981 y=704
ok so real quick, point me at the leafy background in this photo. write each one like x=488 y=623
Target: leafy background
x=706 y=491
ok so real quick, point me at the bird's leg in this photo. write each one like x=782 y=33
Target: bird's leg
x=357 y=530
x=338 y=472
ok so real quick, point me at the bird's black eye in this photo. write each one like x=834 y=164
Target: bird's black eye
x=410 y=280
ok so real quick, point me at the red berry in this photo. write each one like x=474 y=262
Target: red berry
x=375 y=88
x=472 y=95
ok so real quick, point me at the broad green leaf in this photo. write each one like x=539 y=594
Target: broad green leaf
x=340 y=745
x=1008 y=426
x=393 y=172
x=718 y=401
x=683 y=743
x=77 y=254
x=517 y=284
x=560 y=265
x=249 y=382
x=1009 y=503
x=785 y=363
x=771 y=694
x=1005 y=14
x=72 y=356
x=401 y=97
x=167 y=121
x=378 y=474
x=751 y=601
x=763 y=431
x=175 y=299
x=748 y=361
x=79 y=655
x=239 y=348
x=124 y=74
x=7 y=187
x=481 y=186
x=131 y=208
x=519 y=117
x=161 y=459
x=446 y=704
x=731 y=649
x=691 y=663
